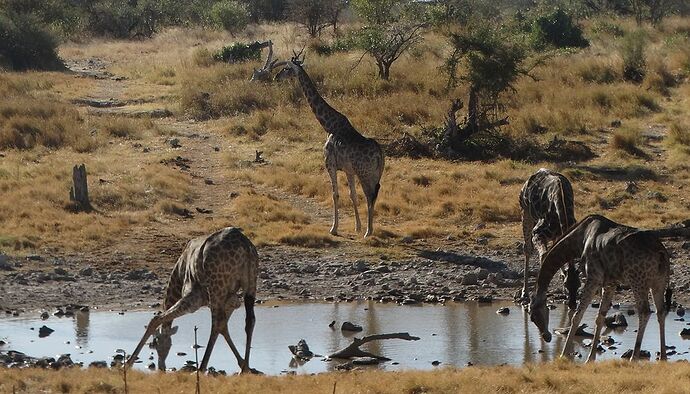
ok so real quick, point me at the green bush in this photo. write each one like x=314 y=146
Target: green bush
x=238 y=52
x=122 y=19
x=634 y=60
x=230 y=15
x=556 y=29
x=25 y=44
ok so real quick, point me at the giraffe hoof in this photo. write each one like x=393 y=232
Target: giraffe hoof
x=333 y=232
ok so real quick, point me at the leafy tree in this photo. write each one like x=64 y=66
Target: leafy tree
x=391 y=28
x=491 y=61
x=25 y=44
x=230 y=15
x=556 y=28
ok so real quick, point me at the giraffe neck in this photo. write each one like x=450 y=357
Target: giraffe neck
x=331 y=120
x=566 y=249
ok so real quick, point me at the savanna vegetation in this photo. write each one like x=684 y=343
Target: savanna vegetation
x=598 y=91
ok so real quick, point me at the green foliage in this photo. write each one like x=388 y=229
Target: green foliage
x=491 y=59
x=340 y=44
x=378 y=12
x=25 y=44
x=122 y=19
x=633 y=53
x=238 y=52
x=230 y=15
x=556 y=29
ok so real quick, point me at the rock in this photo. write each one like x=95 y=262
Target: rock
x=44 y=362
x=175 y=143
x=686 y=245
x=347 y=326
x=34 y=257
x=482 y=274
x=579 y=333
x=360 y=266
x=616 y=320
x=365 y=361
x=86 y=271
x=181 y=354
x=409 y=301
x=503 y=311
x=152 y=366
x=435 y=363
x=630 y=312
x=616 y=123
x=44 y=315
x=643 y=354
x=495 y=278
x=680 y=311
x=44 y=331
x=332 y=324
x=5 y=264
x=60 y=271
x=344 y=367
x=470 y=279
x=63 y=361
x=98 y=364
x=685 y=332
x=301 y=350
x=487 y=299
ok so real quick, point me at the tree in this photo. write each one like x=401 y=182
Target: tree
x=492 y=61
x=391 y=28
x=315 y=15
x=230 y=15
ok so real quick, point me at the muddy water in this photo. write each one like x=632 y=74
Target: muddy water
x=455 y=334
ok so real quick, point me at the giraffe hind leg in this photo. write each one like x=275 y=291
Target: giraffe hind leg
x=332 y=173
x=661 y=312
x=527 y=226
x=353 y=196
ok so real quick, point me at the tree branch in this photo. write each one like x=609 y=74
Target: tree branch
x=353 y=349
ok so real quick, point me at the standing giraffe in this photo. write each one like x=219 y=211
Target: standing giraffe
x=345 y=150
x=547 y=204
x=612 y=254
x=211 y=271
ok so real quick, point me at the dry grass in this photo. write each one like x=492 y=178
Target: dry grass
x=288 y=200
x=557 y=377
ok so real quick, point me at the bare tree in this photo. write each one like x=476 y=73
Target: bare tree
x=314 y=15
x=387 y=43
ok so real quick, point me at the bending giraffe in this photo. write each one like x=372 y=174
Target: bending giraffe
x=547 y=204
x=345 y=150
x=212 y=271
x=612 y=254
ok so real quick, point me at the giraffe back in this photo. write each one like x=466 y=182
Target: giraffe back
x=548 y=198
x=225 y=261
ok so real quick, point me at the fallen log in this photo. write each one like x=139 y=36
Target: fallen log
x=353 y=349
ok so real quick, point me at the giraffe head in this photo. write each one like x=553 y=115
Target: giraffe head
x=162 y=342
x=539 y=314
x=291 y=67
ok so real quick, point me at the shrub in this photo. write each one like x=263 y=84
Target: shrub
x=557 y=29
x=626 y=140
x=230 y=15
x=25 y=44
x=238 y=52
x=679 y=135
x=633 y=54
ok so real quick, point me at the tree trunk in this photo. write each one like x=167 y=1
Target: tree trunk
x=79 y=192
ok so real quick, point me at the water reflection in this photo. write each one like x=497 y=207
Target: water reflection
x=464 y=333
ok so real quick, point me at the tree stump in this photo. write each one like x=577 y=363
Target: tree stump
x=79 y=192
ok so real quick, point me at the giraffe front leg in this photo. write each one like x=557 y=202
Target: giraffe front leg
x=587 y=295
x=249 y=321
x=334 y=184
x=353 y=197
x=661 y=312
x=527 y=225
x=606 y=296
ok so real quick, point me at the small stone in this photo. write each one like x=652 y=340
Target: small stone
x=503 y=311
x=347 y=326
x=685 y=332
x=152 y=366
x=435 y=363
x=181 y=354
x=616 y=320
x=60 y=271
x=175 y=143
x=332 y=324
x=680 y=311
x=365 y=361
x=44 y=331
x=409 y=301
x=87 y=271
x=469 y=279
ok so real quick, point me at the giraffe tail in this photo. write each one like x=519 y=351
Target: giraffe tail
x=376 y=193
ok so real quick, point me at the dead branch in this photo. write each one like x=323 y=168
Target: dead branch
x=353 y=349
x=265 y=73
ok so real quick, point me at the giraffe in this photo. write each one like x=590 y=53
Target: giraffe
x=345 y=150
x=613 y=254
x=211 y=271
x=547 y=205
